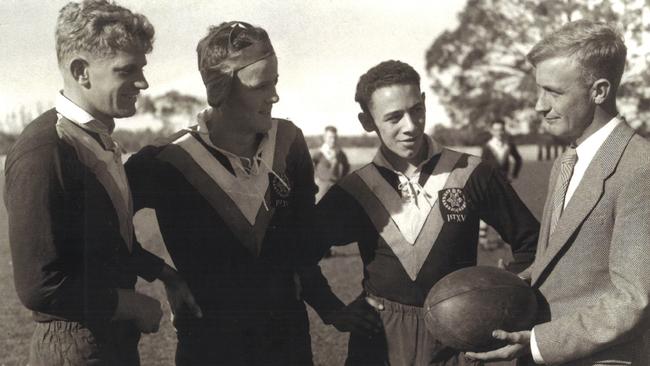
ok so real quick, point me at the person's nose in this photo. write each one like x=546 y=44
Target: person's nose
x=274 y=98
x=141 y=82
x=410 y=124
x=542 y=105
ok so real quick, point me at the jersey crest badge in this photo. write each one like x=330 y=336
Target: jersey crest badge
x=453 y=205
x=280 y=189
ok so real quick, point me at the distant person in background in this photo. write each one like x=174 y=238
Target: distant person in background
x=330 y=162
x=499 y=149
x=75 y=255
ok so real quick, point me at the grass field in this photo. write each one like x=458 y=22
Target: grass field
x=343 y=270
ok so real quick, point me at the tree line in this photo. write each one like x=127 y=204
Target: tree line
x=479 y=70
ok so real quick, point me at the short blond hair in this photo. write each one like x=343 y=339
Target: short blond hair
x=598 y=48
x=100 y=28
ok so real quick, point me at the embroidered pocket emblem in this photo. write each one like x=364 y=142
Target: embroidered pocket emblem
x=281 y=185
x=280 y=190
x=453 y=205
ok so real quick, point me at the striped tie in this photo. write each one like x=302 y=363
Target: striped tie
x=567 y=163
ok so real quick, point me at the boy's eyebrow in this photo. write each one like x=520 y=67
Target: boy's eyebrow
x=549 y=88
x=390 y=114
x=125 y=67
x=399 y=112
x=132 y=64
x=129 y=66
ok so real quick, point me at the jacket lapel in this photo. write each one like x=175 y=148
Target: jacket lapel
x=585 y=198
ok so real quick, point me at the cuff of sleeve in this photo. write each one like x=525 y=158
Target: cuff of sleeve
x=100 y=305
x=147 y=265
x=534 y=350
x=326 y=307
x=318 y=294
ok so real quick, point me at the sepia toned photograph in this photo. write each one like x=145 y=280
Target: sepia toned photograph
x=325 y=182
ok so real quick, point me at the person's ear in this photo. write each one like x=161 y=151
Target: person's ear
x=366 y=121
x=79 y=71
x=600 y=90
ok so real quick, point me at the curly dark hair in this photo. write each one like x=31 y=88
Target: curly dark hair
x=386 y=73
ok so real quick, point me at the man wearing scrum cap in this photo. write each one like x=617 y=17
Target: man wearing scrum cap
x=230 y=195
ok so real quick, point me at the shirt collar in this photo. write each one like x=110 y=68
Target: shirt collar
x=496 y=142
x=78 y=115
x=589 y=147
x=328 y=152
x=433 y=148
x=204 y=133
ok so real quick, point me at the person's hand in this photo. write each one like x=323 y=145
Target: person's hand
x=143 y=310
x=149 y=313
x=360 y=316
x=179 y=296
x=518 y=345
x=526 y=275
x=180 y=299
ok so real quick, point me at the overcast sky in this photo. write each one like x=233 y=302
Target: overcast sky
x=323 y=46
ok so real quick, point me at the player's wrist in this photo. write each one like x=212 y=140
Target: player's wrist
x=169 y=276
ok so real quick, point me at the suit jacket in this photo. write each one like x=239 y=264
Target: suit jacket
x=594 y=270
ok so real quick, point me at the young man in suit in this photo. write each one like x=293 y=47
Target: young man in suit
x=70 y=212
x=230 y=196
x=414 y=212
x=593 y=261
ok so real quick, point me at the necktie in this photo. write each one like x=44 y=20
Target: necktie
x=567 y=163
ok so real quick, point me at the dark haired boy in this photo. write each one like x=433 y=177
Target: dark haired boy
x=414 y=212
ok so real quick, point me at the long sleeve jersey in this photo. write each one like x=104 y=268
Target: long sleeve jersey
x=456 y=191
x=232 y=239
x=68 y=249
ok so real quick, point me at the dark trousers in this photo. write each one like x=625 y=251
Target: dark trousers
x=64 y=343
x=403 y=341
x=245 y=339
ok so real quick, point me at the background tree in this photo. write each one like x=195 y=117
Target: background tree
x=479 y=70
